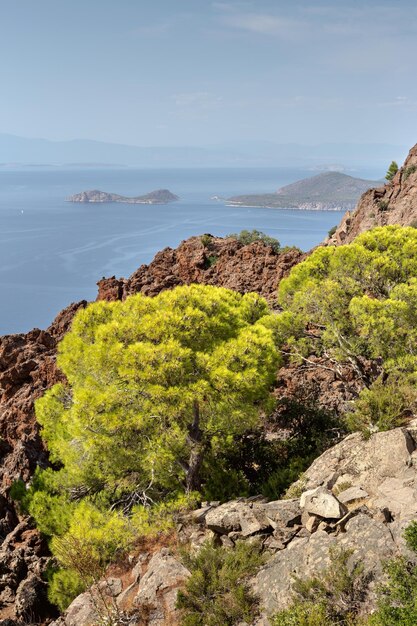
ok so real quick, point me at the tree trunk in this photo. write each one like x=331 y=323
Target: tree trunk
x=195 y=437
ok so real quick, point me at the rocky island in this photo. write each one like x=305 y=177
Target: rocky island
x=330 y=191
x=160 y=196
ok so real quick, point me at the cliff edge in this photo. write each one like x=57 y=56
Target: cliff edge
x=393 y=203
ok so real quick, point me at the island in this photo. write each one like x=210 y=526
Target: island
x=160 y=196
x=329 y=191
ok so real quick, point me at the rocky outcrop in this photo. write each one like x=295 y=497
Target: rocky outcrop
x=210 y=261
x=160 y=196
x=393 y=203
x=358 y=496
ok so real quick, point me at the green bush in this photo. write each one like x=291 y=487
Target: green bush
x=383 y=205
x=386 y=404
x=249 y=236
x=217 y=594
x=64 y=586
x=206 y=240
x=397 y=604
x=408 y=171
x=332 y=231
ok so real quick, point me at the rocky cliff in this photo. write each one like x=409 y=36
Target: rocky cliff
x=393 y=203
x=211 y=261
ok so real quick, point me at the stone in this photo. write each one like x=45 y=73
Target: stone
x=352 y=494
x=224 y=518
x=82 y=611
x=312 y=523
x=252 y=521
x=370 y=541
x=324 y=504
x=282 y=512
x=400 y=195
x=158 y=587
x=111 y=586
x=199 y=515
x=226 y=541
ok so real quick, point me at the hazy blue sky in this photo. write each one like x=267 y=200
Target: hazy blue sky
x=176 y=72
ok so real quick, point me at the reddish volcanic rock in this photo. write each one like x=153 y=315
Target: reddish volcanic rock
x=222 y=262
x=27 y=368
x=393 y=203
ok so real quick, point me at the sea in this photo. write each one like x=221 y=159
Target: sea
x=53 y=252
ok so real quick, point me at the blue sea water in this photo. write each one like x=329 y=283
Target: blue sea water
x=52 y=252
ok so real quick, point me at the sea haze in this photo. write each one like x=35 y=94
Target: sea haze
x=53 y=252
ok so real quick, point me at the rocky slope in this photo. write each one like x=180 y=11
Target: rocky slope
x=211 y=261
x=393 y=203
x=160 y=196
x=359 y=496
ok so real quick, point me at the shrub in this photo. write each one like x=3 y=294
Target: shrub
x=397 y=604
x=206 y=240
x=408 y=171
x=383 y=205
x=64 y=586
x=386 y=404
x=211 y=260
x=216 y=592
x=332 y=231
x=354 y=301
x=249 y=236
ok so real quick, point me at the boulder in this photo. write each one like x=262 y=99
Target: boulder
x=352 y=494
x=158 y=588
x=224 y=518
x=323 y=503
x=285 y=513
x=31 y=599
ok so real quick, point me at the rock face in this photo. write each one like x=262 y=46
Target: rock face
x=210 y=261
x=160 y=196
x=393 y=203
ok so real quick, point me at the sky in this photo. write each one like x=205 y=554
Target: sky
x=201 y=72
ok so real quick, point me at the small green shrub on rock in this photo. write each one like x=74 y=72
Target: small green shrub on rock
x=64 y=586
x=386 y=404
x=249 y=236
x=408 y=171
x=397 y=604
x=217 y=593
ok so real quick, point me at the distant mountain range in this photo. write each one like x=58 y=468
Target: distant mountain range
x=329 y=191
x=84 y=152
